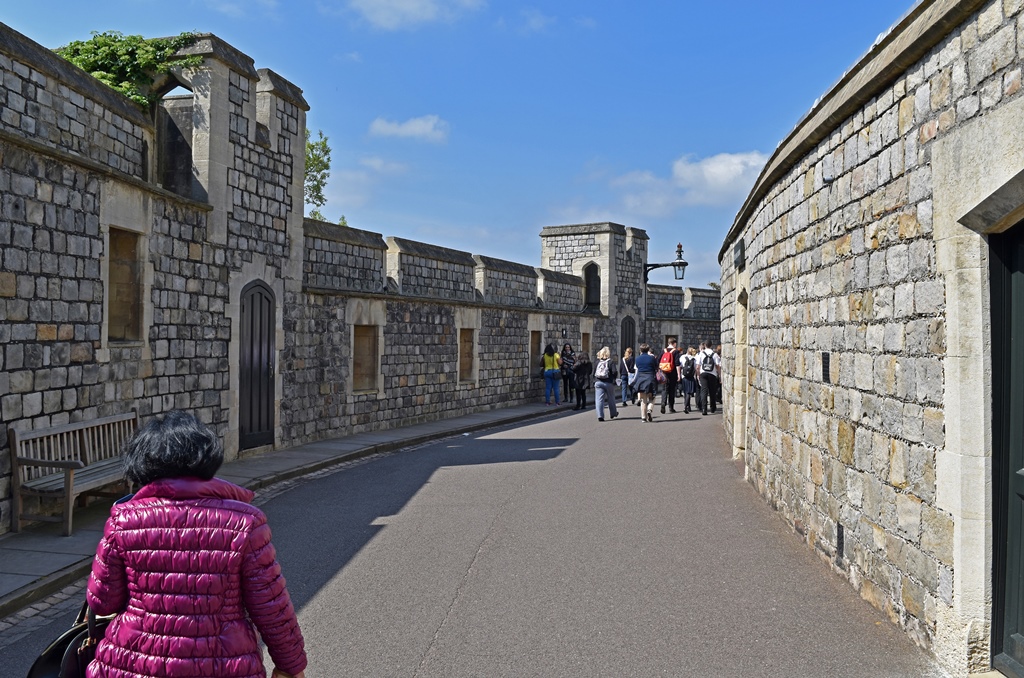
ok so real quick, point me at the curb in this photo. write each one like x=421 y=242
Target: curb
x=52 y=583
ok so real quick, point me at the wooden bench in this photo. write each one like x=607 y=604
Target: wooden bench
x=66 y=462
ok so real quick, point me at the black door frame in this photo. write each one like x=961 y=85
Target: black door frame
x=1006 y=270
x=256 y=358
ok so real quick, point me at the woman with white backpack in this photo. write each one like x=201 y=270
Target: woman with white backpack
x=605 y=373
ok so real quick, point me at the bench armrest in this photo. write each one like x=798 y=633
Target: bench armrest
x=28 y=461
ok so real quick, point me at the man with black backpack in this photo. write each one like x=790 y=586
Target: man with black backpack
x=709 y=366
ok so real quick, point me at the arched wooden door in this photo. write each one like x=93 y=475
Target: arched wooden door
x=628 y=335
x=256 y=368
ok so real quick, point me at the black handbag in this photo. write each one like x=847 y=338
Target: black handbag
x=70 y=654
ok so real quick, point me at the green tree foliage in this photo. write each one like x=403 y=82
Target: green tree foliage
x=318 y=168
x=129 y=64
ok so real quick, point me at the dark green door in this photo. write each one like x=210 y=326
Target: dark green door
x=1007 y=276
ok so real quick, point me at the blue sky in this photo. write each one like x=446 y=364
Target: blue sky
x=472 y=124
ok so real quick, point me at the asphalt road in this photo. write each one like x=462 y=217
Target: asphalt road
x=563 y=548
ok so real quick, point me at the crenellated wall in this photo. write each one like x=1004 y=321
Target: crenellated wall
x=153 y=260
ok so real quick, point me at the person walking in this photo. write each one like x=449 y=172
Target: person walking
x=688 y=376
x=709 y=367
x=718 y=350
x=187 y=565
x=605 y=373
x=552 y=363
x=582 y=371
x=670 y=369
x=646 y=384
x=568 y=376
x=628 y=369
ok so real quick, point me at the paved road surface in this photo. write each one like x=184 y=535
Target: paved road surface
x=563 y=548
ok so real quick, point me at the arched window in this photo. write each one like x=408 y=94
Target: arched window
x=592 y=280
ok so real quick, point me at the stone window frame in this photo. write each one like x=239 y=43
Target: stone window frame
x=126 y=208
x=372 y=356
x=468 y=319
x=366 y=312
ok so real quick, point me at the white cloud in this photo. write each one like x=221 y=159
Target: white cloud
x=425 y=128
x=354 y=187
x=586 y=22
x=382 y=166
x=349 y=188
x=534 y=21
x=394 y=15
x=718 y=180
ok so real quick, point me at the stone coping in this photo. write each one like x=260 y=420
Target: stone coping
x=559 y=277
x=584 y=229
x=427 y=251
x=910 y=39
x=272 y=82
x=31 y=53
x=210 y=46
x=504 y=266
x=313 y=228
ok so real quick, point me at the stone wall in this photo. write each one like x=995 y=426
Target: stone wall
x=846 y=305
x=75 y=164
x=506 y=283
x=64 y=109
x=423 y=270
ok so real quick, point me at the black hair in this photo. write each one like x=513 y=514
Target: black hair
x=549 y=350
x=172 y=446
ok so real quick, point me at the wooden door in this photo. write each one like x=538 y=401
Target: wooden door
x=1007 y=280
x=256 y=369
x=628 y=337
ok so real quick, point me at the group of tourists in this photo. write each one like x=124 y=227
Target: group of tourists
x=693 y=374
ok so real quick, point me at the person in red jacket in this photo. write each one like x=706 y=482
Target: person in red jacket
x=187 y=566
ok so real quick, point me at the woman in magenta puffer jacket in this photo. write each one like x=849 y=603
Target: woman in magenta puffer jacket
x=188 y=567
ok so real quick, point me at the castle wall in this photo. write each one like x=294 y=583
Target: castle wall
x=855 y=321
x=80 y=175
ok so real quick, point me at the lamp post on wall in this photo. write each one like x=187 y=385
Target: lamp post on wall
x=678 y=270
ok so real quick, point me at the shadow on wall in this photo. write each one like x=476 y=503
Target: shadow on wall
x=342 y=510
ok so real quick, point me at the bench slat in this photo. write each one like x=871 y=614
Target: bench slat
x=97 y=444
x=88 y=478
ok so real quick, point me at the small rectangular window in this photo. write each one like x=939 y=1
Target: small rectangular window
x=365 y=358
x=124 y=287
x=466 y=354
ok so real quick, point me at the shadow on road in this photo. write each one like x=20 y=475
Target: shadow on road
x=336 y=516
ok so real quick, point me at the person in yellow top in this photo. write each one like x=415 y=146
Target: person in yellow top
x=552 y=374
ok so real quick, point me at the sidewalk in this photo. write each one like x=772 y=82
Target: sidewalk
x=39 y=561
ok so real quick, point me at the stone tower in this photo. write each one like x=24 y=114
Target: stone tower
x=610 y=258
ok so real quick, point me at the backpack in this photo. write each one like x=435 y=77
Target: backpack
x=689 y=366
x=668 y=362
x=602 y=370
x=707 y=363
x=582 y=372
